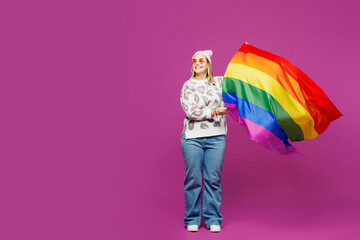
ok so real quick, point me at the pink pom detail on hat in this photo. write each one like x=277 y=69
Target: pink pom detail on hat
x=206 y=53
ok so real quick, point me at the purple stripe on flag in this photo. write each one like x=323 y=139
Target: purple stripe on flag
x=261 y=135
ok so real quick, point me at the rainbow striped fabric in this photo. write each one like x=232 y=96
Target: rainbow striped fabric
x=275 y=100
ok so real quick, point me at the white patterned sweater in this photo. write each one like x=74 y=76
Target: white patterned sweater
x=197 y=99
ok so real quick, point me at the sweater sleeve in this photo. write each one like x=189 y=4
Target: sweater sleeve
x=220 y=81
x=189 y=102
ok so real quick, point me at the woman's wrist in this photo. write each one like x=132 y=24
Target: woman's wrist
x=215 y=114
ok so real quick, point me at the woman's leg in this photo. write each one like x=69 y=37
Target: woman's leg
x=213 y=159
x=193 y=157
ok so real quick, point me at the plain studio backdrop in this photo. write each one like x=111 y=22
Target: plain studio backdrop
x=91 y=119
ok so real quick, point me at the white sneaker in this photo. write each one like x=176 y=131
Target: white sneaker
x=193 y=228
x=215 y=228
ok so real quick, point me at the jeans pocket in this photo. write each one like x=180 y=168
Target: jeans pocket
x=183 y=136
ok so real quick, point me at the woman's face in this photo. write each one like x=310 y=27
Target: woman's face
x=199 y=64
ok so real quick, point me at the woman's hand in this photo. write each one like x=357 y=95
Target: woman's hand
x=221 y=111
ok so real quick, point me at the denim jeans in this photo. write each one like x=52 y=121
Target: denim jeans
x=203 y=159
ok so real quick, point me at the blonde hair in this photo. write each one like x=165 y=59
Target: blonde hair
x=209 y=74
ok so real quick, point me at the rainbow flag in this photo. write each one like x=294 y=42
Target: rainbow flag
x=275 y=100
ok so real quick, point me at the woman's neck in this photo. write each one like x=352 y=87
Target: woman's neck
x=200 y=76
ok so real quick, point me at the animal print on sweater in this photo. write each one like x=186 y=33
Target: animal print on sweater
x=197 y=99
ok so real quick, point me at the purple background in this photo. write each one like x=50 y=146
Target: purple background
x=91 y=119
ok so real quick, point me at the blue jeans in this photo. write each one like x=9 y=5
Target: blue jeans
x=203 y=158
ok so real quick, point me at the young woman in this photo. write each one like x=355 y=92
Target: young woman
x=203 y=143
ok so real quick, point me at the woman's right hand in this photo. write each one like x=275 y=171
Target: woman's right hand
x=221 y=111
